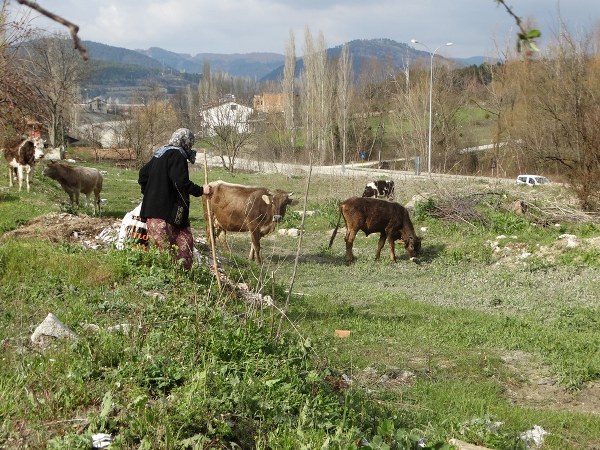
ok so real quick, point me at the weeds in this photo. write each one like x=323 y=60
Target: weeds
x=192 y=367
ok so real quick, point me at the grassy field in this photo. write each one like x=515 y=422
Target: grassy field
x=493 y=332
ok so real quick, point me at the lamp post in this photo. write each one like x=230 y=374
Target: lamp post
x=432 y=54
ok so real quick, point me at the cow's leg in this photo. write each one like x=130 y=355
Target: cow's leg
x=11 y=173
x=27 y=172
x=255 y=246
x=380 y=244
x=77 y=197
x=20 y=176
x=392 y=248
x=350 y=235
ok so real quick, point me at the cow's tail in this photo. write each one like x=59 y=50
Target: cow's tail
x=335 y=230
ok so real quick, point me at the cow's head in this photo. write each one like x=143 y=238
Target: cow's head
x=38 y=144
x=370 y=190
x=280 y=201
x=413 y=247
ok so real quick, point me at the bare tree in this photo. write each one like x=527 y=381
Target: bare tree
x=564 y=132
x=344 y=85
x=288 y=88
x=149 y=127
x=205 y=88
x=18 y=99
x=317 y=98
x=54 y=69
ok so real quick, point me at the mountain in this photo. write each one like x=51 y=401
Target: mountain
x=254 y=65
x=476 y=61
x=385 y=54
x=103 y=52
x=113 y=68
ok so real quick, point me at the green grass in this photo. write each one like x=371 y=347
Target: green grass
x=440 y=349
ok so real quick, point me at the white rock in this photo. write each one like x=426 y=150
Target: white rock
x=51 y=327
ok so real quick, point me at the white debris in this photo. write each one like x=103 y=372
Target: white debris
x=101 y=440
x=122 y=327
x=571 y=240
x=108 y=234
x=534 y=438
x=308 y=213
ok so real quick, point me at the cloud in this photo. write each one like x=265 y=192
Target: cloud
x=476 y=27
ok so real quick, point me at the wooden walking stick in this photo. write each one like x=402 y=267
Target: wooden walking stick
x=208 y=218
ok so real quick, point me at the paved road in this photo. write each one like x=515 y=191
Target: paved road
x=352 y=169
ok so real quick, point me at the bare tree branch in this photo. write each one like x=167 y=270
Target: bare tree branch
x=73 y=29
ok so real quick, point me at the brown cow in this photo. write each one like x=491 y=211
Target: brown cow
x=245 y=208
x=373 y=215
x=21 y=157
x=76 y=179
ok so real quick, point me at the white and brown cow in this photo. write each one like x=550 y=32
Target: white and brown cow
x=373 y=215
x=75 y=180
x=21 y=156
x=379 y=189
x=235 y=207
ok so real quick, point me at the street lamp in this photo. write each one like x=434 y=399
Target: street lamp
x=414 y=41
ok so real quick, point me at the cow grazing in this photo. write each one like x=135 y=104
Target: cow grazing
x=21 y=157
x=373 y=215
x=75 y=179
x=257 y=210
x=379 y=189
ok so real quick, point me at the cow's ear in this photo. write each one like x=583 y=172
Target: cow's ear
x=266 y=199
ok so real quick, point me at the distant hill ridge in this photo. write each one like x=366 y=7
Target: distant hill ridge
x=259 y=65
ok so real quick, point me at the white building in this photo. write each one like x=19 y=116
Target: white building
x=226 y=112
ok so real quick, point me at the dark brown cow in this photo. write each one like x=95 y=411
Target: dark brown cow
x=244 y=208
x=21 y=157
x=76 y=179
x=373 y=215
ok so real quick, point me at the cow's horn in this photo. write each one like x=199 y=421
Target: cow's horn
x=266 y=199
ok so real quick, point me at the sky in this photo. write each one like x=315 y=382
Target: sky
x=475 y=27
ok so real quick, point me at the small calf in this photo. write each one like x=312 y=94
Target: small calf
x=391 y=220
x=75 y=179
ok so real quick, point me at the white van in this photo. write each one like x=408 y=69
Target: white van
x=532 y=180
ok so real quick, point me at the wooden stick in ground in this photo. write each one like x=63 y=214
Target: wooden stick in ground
x=208 y=218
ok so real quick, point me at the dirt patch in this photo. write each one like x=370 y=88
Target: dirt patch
x=93 y=232
x=533 y=385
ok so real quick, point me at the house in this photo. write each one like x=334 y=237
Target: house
x=225 y=112
x=268 y=102
x=97 y=104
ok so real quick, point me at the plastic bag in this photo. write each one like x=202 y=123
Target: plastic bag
x=133 y=232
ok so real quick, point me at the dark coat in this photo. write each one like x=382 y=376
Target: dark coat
x=167 y=187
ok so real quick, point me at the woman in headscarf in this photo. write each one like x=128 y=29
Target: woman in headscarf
x=166 y=187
